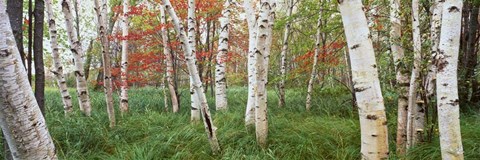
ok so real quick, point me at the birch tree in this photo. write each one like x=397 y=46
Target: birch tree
x=210 y=129
x=168 y=59
x=262 y=52
x=252 y=79
x=412 y=115
x=447 y=87
x=220 y=71
x=124 y=65
x=21 y=120
x=435 y=25
x=373 y=121
x=101 y=10
x=283 y=55
x=78 y=53
x=401 y=76
x=313 y=74
x=57 y=63
x=195 y=112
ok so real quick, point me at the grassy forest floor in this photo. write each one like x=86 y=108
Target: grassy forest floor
x=330 y=131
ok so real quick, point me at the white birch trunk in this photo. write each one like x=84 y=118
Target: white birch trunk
x=435 y=40
x=401 y=76
x=57 y=63
x=197 y=85
x=262 y=49
x=373 y=121
x=191 y=24
x=268 y=42
x=124 y=65
x=164 y=89
x=168 y=58
x=283 y=56
x=220 y=71
x=101 y=10
x=315 y=61
x=252 y=79
x=21 y=120
x=447 y=87
x=78 y=53
x=412 y=116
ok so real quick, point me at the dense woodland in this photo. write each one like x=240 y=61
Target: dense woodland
x=240 y=79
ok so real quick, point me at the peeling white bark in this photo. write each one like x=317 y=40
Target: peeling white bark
x=447 y=87
x=101 y=10
x=412 y=136
x=197 y=84
x=57 y=63
x=252 y=79
x=191 y=24
x=78 y=54
x=283 y=55
x=373 y=121
x=435 y=25
x=401 y=76
x=220 y=71
x=262 y=52
x=124 y=65
x=169 y=61
x=313 y=75
x=21 y=120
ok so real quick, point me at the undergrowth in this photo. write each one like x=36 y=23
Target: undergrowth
x=329 y=131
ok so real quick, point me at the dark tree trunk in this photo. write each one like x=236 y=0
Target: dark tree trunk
x=15 y=12
x=88 y=60
x=471 y=49
x=30 y=41
x=100 y=75
x=210 y=62
x=468 y=46
x=38 y=49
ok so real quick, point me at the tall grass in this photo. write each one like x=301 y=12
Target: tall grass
x=329 y=131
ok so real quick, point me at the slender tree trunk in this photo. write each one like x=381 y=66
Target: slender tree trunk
x=315 y=61
x=268 y=44
x=447 y=88
x=262 y=51
x=78 y=53
x=88 y=61
x=435 y=40
x=415 y=77
x=373 y=121
x=21 y=120
x=77 y=19
x=15 y=12
x=30 y=41
x=195 y=112
x=170 y=70
x=57 y=63
x=220 y=71
x=193 y=72
x=124 y=87
x=401 y=76
x=471 y=62
x=101 y=10
x=283 y=56
x=38 y=51
x=164 y=89
x=252 y=79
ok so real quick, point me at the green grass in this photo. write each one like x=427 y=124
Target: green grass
x=329 y=131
